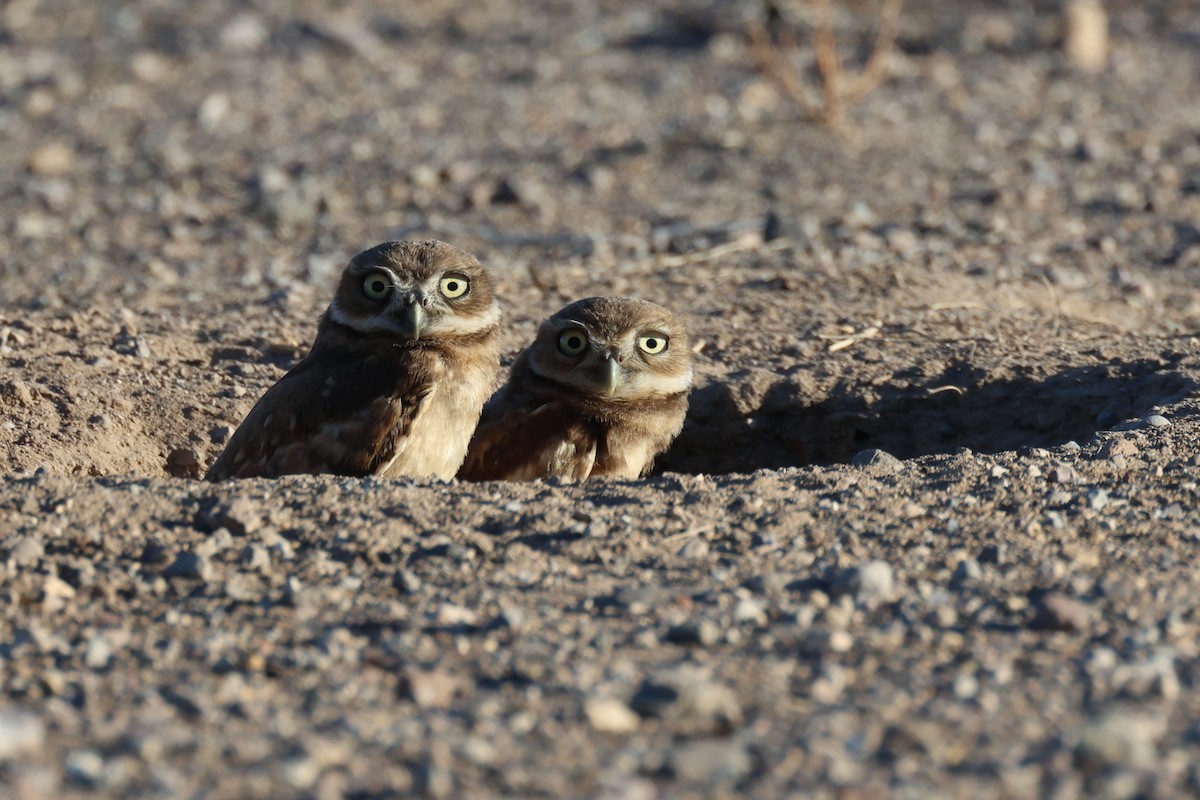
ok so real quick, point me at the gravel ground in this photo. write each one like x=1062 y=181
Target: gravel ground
x=927 y=531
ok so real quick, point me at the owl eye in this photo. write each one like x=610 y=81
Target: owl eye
x=653 y=343
x=572 y=343
x=454 y=286
x=377 y=286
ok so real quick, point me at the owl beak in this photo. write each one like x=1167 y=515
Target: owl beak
x=415 y=315
x=611 y=375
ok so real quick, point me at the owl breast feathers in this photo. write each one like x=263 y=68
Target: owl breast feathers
x=404 y=358
x=602 y=390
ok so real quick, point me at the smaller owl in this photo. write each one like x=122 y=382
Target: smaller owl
x=602 y=390
x=404 y=358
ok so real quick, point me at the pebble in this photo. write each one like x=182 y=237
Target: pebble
x=860 y=216
x=432 y=688
x=242 y=588
x=967 y=572
x=1151 y=679
x=1157 y=421
x=1119 y=740
x=27 y=551
x=878 y=459
x=219 y=434
x=993 y=554
x=407 y=582
x=822 y=641
x=610 y=715
x=870 y=583
x=296 y=594
x=1097 y=498
x=256 y=557
x=749 y=610
x=1085 y=40
x=690 y=700
x=1118 y=447
x=1057 y=612
x=241 y=516
x=184 y=462
x=704 y=633
x=21 y=733
x=1061 y=473
x=84 y=767
x=710 y=761
x=52 y=158
x=189 y=565
x=98 y=653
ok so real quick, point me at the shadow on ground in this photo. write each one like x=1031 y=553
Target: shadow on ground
x=987 y=415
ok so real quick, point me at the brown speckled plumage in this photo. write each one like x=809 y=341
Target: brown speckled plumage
x=388 y=389
x=606 y=410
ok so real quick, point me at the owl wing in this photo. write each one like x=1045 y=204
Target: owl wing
x=520 y=444
x=333 y=413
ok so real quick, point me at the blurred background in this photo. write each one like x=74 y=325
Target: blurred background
x=165 y=151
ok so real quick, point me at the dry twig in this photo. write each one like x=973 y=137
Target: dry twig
x=839 y=91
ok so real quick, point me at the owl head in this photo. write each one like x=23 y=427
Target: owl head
x=415 y=291
x=615 y=348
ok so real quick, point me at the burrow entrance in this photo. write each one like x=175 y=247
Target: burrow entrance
x=748 y=423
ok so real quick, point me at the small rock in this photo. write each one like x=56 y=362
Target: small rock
x=17 y=392
x=84 y=767
x=189 y=565
x=879 y=459
x=430 y=688
x=870 y=583
x=98 y=653
x=184 y=462
x=967 y=572
x=21 y=733
x=1118 y=447
x=27 y=551
x=243 y=33
x=1086 y=39
x=694 y=549
x=860 y=216
x=296 y=595
x=504 y=193
x=219 y=434
x=1097 y=498
x=1151 y=679
x=241 y=516
x=256 y=557
x=219 y=540
x=610 y=715
x=779 y=227
x=1062 y=473
x=52 y=158
x=749 y=610
x=1157 y=421
x=704 y=633
x=406 y=582
x=690 y=701
x=55 y=588
x=822 y=640
x=1119 y=740
x=710 y=761
x=242 y=588
x=1057 y=612
x=993 y=554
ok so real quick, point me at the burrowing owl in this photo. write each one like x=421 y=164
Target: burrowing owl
x=602 y=390
x=404 y=358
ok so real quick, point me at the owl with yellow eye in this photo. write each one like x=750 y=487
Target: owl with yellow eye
x=403 y=360
x=602 y=390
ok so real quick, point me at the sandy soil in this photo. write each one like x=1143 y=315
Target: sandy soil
x=929 y=529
